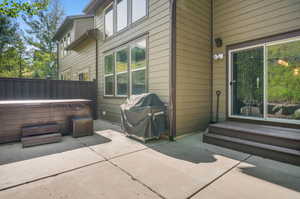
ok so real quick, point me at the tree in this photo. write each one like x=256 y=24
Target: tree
x=8 y=32
x=13 y=8
x=42 y=29
x=12 y=49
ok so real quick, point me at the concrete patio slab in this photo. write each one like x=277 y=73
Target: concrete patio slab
x=256 y=178
x=100 y=181
x=110 y=165
x=14 y=152
x=32 y=169
x=101 y=125
x=177 y=170
x=121 y=144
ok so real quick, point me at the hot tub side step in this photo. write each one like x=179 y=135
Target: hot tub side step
x=41 y=129
x=41 y=139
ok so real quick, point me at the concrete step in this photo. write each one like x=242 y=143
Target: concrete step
x=269 y=151
x=41 y=139
x=271 y=135
x=40 y=129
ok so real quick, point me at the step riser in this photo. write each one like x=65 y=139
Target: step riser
x=40 y=130
x=292 y=144
x=35 y=140
x=275 y=155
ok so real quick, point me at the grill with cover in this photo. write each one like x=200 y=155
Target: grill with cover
x=143 y=116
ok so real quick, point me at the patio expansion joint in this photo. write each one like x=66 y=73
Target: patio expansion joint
x=137 y=180
x=126 y=172
x=219 y=177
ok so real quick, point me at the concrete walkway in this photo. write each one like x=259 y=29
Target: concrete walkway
x=110 y=165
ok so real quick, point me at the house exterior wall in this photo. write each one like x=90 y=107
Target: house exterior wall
x=156 y=28
x=239 y=21
x=79 y=60
x=193 y=68
x=83 y=58
x=82 y=25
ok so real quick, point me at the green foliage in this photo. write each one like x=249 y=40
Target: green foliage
x=283 y=67
x=13 y=8
x=32 y=55
x=42 y=29
x=283 y=80
x=13 y=62
x=8 y=32
x=43 y=65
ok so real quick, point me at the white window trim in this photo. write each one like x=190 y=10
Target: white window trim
x=128 y=5
x=130 y=22
x=68 y=38
x=138 y=69
x=129 y=71
x=65 y=45
x=107 y=75
x=61 y=48
x=118 y=73
x=66 y=71
x=104 y=13
x=142 y=18
x=264 y=118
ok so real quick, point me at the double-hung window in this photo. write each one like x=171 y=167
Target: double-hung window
x=66 y=75
x=138 y=9
x=62 y=48
x=109 y=21
x=122 y=72
x=65 y=45
x=121 y=13
x=109 y=66
x=138 y=67
x=83 y=76
x=126 y=70
x=68 y=41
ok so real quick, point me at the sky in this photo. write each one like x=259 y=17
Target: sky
x=71 y=7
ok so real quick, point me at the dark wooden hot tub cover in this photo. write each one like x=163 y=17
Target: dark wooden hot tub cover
x=19 y=113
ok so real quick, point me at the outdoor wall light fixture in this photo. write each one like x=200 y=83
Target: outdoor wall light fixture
x=218 y=42
x=218 y=56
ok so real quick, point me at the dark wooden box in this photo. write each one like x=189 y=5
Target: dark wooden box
x=82 y=126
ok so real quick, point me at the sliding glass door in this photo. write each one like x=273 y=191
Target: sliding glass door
x=264 y=82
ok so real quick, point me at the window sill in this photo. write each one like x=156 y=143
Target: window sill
x=114 y=97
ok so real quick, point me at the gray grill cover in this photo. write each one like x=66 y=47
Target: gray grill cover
x=144 y=116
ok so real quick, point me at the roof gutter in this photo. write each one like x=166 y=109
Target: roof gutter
x=172 y=104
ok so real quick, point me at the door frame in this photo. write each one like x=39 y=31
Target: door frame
x=265 y=100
